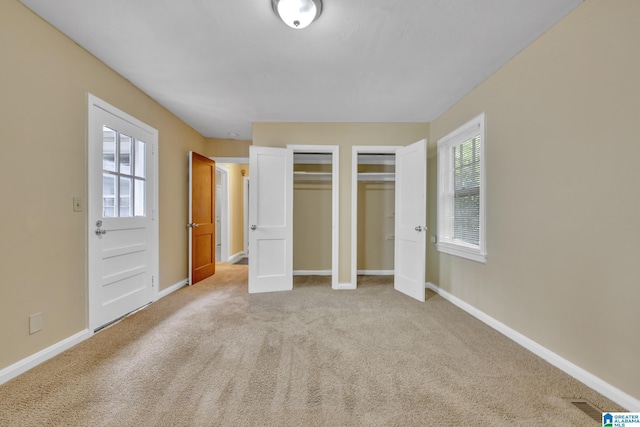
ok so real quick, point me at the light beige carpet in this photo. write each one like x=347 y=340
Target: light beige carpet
x=212 y=355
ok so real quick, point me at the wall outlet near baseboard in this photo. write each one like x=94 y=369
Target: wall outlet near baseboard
x=77 y=204
x=35 y=323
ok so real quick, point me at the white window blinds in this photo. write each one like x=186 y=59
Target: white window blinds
x=466 y=191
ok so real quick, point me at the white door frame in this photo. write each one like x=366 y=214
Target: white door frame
x=335 y=192
x=224 y=212
x=245 y=205
x=93 y=103
x=355 y=150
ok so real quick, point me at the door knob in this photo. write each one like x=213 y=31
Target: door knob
x=253 y=227
x=192 y=225
x=100 y=231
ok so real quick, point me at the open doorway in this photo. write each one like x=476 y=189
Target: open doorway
x=222 y=213
x=373 y=210
x=315 y=212
x=403 y=213
x=271 y=215
x=232 y=176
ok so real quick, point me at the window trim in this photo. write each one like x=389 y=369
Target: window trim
x=465 y=250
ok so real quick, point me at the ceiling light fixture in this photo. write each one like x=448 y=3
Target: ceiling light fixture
x=297 y=14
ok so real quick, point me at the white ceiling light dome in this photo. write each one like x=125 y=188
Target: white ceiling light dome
x=297 y=14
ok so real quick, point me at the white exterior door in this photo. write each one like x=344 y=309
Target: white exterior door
x=411 y=214
x=121 y=211
x=270 y=219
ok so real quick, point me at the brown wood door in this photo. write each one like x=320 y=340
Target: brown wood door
x=202 y=218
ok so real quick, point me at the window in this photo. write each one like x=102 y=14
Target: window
x=461 y=190
x=123 y=175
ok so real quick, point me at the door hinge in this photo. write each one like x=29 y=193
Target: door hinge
x=153 y=280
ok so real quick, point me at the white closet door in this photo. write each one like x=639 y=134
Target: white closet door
x=270 y=219
x=411 y=214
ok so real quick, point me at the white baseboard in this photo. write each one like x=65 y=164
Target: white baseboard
x=312 y=272
x=343 y=286
x=35 y=359
x=163 y=293
x=616 y=395
x=376 y=272
x=236 y=257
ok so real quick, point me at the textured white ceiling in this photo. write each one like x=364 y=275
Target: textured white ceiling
x=221 y=65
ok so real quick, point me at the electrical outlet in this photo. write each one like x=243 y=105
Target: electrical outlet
x=77 y=204
x=35 y=323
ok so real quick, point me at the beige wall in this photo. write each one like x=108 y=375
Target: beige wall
x=312 y=225
x=215 y=147
x=563 y=232
x=344 y=135
x=312 y=220
x=44 y=81
x=376 y=221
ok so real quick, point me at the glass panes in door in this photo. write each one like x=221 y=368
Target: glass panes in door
x=123 y=175
x=124 y=157
x=108 y=195
x=109 y=149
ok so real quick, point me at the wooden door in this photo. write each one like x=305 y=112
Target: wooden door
x=202 y=217
x=411 y=215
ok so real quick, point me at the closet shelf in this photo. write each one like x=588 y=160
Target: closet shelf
x=311 y=176
x=377 y=176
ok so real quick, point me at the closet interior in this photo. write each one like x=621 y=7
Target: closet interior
x=312 y=213
x=375 y=213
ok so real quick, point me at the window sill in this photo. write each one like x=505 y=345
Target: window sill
x=462 y=252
